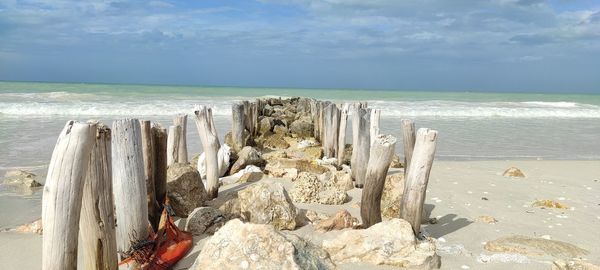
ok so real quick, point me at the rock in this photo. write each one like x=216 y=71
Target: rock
x=290 y=173
x=486 y=219
x=265 y=125
x=549 y=204
x=251 y=177
x=204 y=220
x=309 y=153
x=268 y=203
x=533 y=246
x=231 y=206
x=513 y=172
x=573 y=265
x=392 y=195
x=246 y=138
x=21 y=178
x=309 y=189
x=247 y=156
x=280 y=130
x=240 y=245
x=185 y=189
x=343 y=180
x=306 y=216
x=389 y=242
x=33 y=227
x=341 y=220
x=332 y=196
x=302 y=127
x=299 y=164
x=273 y=155
x=273 y=141
x=396 y=163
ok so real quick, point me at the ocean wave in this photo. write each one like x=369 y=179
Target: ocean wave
x=559 y=104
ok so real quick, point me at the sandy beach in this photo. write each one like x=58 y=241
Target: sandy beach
x=459 y=192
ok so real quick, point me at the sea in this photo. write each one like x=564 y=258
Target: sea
x=471 y=125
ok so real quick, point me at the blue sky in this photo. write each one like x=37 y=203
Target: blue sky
x=476 y=45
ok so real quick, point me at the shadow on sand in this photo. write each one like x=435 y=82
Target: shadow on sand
x=444 y=225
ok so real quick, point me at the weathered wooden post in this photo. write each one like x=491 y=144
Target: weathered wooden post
x=97 y=226
x=148 y=153
x=62 y=196
x=411 y=207
x=159 y=137
x=356 y=106
x=342 y=134
x=173 y=145
x=237 y=126
x=210 y=144
x=408 y=138
x=331 y=117
x=182 y=153
x=129 y=184
x=382 y=151
x=361 y=150
x=322 y=117
x=375 y=119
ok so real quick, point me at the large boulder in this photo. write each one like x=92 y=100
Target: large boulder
x=302 y=127
x=392 y=195
x=240 y=245
x=21 y=178
x=273 y=141
x=267 y=202
x=535 y=246
x=185 y=189
x=247 y=156
x=389 y=242
x=265 y=125
x=309 y=189
x=298 y=164
x=204 y=220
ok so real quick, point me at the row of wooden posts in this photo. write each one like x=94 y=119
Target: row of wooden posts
x=98 y=176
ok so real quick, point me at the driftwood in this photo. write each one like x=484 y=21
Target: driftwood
x=375 y=119
x=129 y=184
x=173 y=145
x=361 y=150
x=97 y=226
x=382 y=151
x=210 y=144
x=411 y=207
x=62 y=197
x=356 y=106
x=342 y=134
x=148 y=153
x=159 y=137
x=182 y=153
x=408 y=134
x=238 y=119
x=331 y=117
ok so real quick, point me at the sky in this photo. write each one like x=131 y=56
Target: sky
x=440 y=45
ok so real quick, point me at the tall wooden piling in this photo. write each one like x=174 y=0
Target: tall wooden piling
x=411 y=207
x=331 y=117
x=97 y=226
x=382 y=151
x=173 y=145
x=238 y=119
x=408 y=138
x=148 y=153
x=159 y=138
x=182 y=153
x=129 y=183
x=375 y=119
x=210 y=144
x=342 y=134
x=62 y=196
x=361 y=150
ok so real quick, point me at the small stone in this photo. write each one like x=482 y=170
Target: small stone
x=342 y=220
x=268 y=203
x=33 y=227
x=486 y=219
x=247 y=156
x=513 y=172
x=484 y=198
x=549 y=204
x=204 y=220
x=251 y=177
x=21 y=178
x=396 y=163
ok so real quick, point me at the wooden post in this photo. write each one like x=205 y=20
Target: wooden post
x=62 y=196
x=159 y=137
x=173 y=145
x=237 y=126
x=375 y=118
x=149 y=158
x=361 y=150
x=129 y=184
x=182 y=153
x=355 y=119
x=324 y=105
x=408 y=137
x=411 y=207
x=210 y=144
x=97 y=226
x=331 y=117
x=342 y=134
x=382 y=151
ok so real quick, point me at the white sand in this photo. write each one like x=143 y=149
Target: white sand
x=455 y=196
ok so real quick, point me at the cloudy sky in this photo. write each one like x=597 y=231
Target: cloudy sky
x=474 y=45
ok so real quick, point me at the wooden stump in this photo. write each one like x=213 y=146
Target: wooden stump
x=408 y=138
x=342 y=134
x=210 y=144
x=97 y=226
x=173 y=145
x=237 y=126
x=375 y=119
x=182 y=153
x=148 y=153
x=129 y=184
x=62 y=196
x=361 y=150
x=382 y=151
x=331 y=119
x=159 y=137
x=411 y=207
